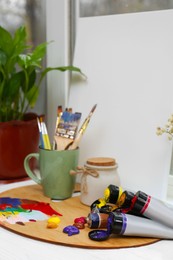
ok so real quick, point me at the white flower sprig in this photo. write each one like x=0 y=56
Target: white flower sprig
x=168 y=129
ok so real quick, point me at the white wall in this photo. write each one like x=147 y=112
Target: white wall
x=129 y=63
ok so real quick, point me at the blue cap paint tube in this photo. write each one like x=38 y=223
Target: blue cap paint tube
x=97 y=220
x=129 y=225
x=153 y=208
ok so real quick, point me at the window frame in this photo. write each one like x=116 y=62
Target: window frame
x=58 y=54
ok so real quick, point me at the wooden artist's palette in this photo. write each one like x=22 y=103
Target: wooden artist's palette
x=70 y=209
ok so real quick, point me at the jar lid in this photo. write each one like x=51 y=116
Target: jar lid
x=101 y=161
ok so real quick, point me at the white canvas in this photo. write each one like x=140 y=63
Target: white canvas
x=128 y=60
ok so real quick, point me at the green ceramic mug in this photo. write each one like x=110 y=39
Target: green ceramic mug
x=55 y=167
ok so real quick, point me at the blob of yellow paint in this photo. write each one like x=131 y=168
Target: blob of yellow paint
x=53 y=222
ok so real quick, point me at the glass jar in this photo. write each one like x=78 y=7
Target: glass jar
x=98 y=173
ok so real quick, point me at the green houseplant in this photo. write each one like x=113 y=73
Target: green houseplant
x=21 y=75
x=19 y=80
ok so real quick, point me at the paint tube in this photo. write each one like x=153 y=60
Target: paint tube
x=97 y=220
x=129 y=225
x=153 y=208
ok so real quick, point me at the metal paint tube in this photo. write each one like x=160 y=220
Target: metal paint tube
x=126 y=203
x=153 y=208
x=97 y=220
x=129 y=225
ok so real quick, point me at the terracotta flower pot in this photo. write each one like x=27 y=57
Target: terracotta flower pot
x=17 y=139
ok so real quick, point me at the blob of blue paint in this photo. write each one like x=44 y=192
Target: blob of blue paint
x=14 y=202
x=71 y=230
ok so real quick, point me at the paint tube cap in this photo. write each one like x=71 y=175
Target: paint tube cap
x=125 y=200
x=112 y=194
x=98 y=235
x=99 y=203
x=141 y=199
x=115 y=223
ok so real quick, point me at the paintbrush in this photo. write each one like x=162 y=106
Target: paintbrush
x=77 y=140
x=41 y=143
x=59 y=113
x=45 y=136
x=66 y=129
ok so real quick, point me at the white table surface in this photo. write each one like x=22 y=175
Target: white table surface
x=17 y=247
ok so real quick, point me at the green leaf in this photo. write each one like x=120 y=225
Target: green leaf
x=6 y=41
x=20 y=36
x=39 y=52
x=62 y=69
x=32 y=96
x=19 y=41
x=13 y=85
x=1 y=87
x=32 y=79
x=3 y=57
x=24 y=60
x=1 y=77
x=70 y=68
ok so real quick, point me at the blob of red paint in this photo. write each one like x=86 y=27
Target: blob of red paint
x=80 y=220
x=41 y=206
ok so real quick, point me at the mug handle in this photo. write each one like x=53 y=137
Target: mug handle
x=30 y=173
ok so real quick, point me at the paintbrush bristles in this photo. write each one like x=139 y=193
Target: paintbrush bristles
x=66 y=128
x=94 y=107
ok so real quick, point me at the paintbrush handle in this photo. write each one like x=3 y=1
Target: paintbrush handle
x=45 y=136
x=75 y=143
x=77 y=140
x=40 y=134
